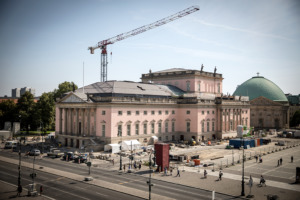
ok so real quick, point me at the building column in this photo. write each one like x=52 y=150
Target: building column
x=77 y=122
x=71 y=120
x=60 y=120
x=83 y=122
x=88 y=122
x=66 y=122
x=241 y=116
x=95 y=125
x=233 y=120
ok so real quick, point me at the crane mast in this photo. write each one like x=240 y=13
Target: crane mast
x=102 y=44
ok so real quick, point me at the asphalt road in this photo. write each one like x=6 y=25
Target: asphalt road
x=67 y=188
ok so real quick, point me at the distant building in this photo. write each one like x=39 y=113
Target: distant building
x=269 y=106
x=171 y=105
x=17 y=92
x=294 y=101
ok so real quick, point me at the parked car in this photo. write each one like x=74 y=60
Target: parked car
x=10 y=144
x=34 y=152
x=82 y=159
x=70 y=155
x=55 y=153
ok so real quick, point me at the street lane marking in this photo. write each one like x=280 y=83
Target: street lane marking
x=101 y=194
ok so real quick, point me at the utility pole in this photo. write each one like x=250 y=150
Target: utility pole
x=243 y=174
x=120 y=134
x=150 y=172
x=19 y=168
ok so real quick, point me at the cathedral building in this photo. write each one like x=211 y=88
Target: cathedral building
x=170 y=105
x=269 y=106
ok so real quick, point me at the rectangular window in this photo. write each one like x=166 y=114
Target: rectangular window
x=145 y=128
x=188 y=86
x=159 y=127
x=152 y=128
x=128 y=129
x=188 y=127
x=173 y=137
x=159 y=112
x=103 y=112
x=188 y=112
x=207 y=124
x=167 y=112
x=137 y=112
x=208 y=112
x=119 y=130
x=145 y=112
x=120 y=112
x=213 y=112
x=173 y=112
x=173 y=126
x=231 y=124
x=128 y=112
x=103 y=130
x=202 y=127
x=166 y=127
x=202 y=112
x=137 y=127
x=199 y=87
x=167 y=138
x=152 y=112
x=212 y=126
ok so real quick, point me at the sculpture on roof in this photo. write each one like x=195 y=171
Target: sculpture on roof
x=215 y=70
x=202 y=68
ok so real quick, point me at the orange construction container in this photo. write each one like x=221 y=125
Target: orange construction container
x=258 y=142
x=209 y=143
x=197 y=162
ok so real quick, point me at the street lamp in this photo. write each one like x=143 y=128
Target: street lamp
x=150 y=167
x=120 y=134
x=243 y=170
x=19 y=168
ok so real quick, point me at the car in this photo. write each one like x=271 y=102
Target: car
x=80 y=159
x=70 y=155
x=34 y=152
x=10 y=144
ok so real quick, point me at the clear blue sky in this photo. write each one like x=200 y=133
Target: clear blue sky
x=44 y=43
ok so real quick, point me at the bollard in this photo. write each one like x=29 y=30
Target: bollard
x=221 y=165
x=213 y=195
x=213 y=167
x=227 y=163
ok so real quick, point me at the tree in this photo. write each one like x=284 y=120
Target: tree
x=26 y=107
x=64 y=88
x=46 y=110
x=8 y=112
x=296 y=119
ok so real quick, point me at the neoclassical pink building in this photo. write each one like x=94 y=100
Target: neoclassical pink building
x=174 y=104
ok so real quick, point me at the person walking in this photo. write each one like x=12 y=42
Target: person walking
x=124 y=167
x=280 y=161
x=262 y=181
x=140 y=165
x=220 y=175
x=171 y=170
x=256 y=158
x=205 y=173
x=178 y=172
x=292 y=159
x=250 y=183
x=41 y=190
x=113 y=161
x=19 y=190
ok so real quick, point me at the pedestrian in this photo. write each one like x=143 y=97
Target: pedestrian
x=280 y=161
x=292 y=159
x=250 y=183
x=171 y=170
x=113 y=161
x=220 y=175
x=165 y=170
x=262 y=181
x=134 y=165
x=124 y=167
x=205 y=173
x=19 y=190
x=41 y=190
x=256 y=157
x=178 y=172
x=140 y=166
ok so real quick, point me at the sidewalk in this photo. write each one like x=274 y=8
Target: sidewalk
x=9 y=191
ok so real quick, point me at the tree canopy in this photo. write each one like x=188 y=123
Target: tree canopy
x=64 y=88
x=296 y=119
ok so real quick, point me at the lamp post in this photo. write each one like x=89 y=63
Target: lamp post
x=19 y=168
x=120 y=134
x=243 y=181
x=150 y=171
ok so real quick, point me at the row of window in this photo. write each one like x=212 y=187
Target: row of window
x=159 y=112
x=159 y=126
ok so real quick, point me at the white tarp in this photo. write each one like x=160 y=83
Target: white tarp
x=113 y=148
x=131 y=145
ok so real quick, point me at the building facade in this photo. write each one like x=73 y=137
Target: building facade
x=172 y=105
x=269 y=106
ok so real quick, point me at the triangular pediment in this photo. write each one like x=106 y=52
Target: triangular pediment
x=72 y=98
x=263 y=101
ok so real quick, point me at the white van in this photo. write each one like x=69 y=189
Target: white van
x=10 y=144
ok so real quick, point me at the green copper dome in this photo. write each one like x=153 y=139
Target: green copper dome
x=259 y=86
